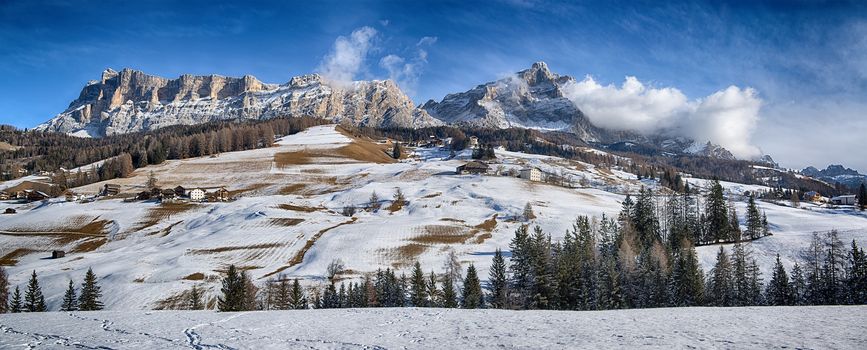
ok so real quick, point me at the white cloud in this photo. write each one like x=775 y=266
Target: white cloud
x=406 y=72
x=348 y=55
x=727 y=117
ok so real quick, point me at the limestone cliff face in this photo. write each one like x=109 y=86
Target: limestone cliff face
x=131 y=101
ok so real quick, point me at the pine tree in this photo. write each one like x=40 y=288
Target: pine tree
x=527 y=214
x=779 y=291
x=720 y=284
x=194 y=299
x=433 y=294
x=396 y=150
x=282 y=298
x=766 y=231
x=34 y=301
x=418 y=287
x=856 y=280
x=16 y=305
x=88 y=300
x=234 y=293
x=473 y=298
x=833 y=270
x=687 y=278
x=4 y=291
x=297 y=300
x=450 y=297
x=498 y=281
x=798 y=286
x=754 y=220
x=70 y=302
x=718 y=225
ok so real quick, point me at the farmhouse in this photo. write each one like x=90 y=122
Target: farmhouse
x=472 y=168
x=180 y=191
x=34 y=196
x=532 y=174
x=848 y=199
x=197 y=194
x=110 y=190
x=220 y=195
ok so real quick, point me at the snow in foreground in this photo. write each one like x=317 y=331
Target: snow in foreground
x=756 y=327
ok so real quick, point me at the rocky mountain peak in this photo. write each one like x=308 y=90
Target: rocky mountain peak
x=537 y=74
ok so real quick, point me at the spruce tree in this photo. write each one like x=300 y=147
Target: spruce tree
x=70 y=302
x=687 y=278
x=418 y=287
x=34 y=301
x=297 y=300
x=433 y=294
x=16 y=304
x=194 y=300
x=856 y=280
x=718 y=225
x=89 y=299
x=498 y=281
x=720 y=284
x=522 y=275
x=473 y=298
x=779 y=291
x=798 y=286
x=233 y=291
x=4 y=291
x=450 y=297
x=282 y=294
x=754 y=220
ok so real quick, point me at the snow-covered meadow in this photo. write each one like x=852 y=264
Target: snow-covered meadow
x=288 y=219
x=825 y=327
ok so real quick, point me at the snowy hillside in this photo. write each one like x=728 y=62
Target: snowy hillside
x=288 y=218
x=410 y=328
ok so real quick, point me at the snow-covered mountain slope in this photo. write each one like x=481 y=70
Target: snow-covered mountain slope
x=288 y=218
x=836 y=174
x=532 y=98
x=825 y=327
x=131 y=101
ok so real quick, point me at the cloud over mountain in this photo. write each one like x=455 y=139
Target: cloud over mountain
x=347 y=57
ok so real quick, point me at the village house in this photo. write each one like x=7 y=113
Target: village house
x=167 y=196
x=196 y=194
x=34 y=196
x=4 y=196
x=532 y=174
x=848 y=199
x=180 y=191
x=220 y=195
x=474 y=167
x=473 y=142
x=57 y=254
x=812 y=196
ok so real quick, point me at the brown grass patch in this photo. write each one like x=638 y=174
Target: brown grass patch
x=177 y=301
x=395 y=206
x=298 y=208
x=11 y=258
x=482 y=238
x=234 y=248
x=238 y=192
x=197 y=276
x=432 y=195
x=442 y=234
x=366 y=152
x=299 y=256
x=5 y=146
x=292 y=189
x=285 y=221
x=488 y=225
x=89 y=245
x=162 y=212
x=452 y=220
x=30 y=185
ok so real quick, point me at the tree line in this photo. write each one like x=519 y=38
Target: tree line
x=87 y=298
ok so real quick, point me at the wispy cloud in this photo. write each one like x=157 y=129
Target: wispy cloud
x=347 y=57
x=406 y=72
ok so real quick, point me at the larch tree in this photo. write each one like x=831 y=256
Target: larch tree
x=4 y=291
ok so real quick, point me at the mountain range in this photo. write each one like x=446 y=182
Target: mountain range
x=836 y=174
x=132 y=101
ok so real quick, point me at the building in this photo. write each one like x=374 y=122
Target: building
x=197 y=194
x=57 y=254
x=474 y=167
x=180 y=191
x=848 y=199
x=220 y=195
x=532 y=174
x=167 y=196
x=34 y=196
x=812 y=196
x=4 y=196
x=473 y=142
x=110 y=190
x=9 y=211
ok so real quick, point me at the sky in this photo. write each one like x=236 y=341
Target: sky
x=784 y=78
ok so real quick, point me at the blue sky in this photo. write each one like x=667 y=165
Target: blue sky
x=806 y=61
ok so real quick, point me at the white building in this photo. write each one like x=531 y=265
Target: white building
x=848 y=199
x=197 y=194
x=532 y=174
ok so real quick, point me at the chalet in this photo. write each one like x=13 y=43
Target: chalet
x=4 y=196
x=220 y=195
x=111 y=190
x=196 y=194
x=474 y=167
x=167 y=195
x=848 y=199
x=812 y=196
x=57 y=254
x=34 y=196
x=144 y=195
x=180 y=191
x=532 y=174
x=9 y=211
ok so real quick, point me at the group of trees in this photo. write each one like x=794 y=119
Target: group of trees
x=33 y=300
x=45 y=151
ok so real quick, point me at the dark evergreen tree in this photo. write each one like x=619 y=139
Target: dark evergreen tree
x=687 y=278
x=779 y=289
x=34 y=301
x=498 y=282
x=753 y=219
x=521 y=269
x=89 y=299
x=297 y=299
x=721 y=291
x=862 y=196
x=856 y=276
x=718 y=225
x=798 y=286
x=833 y=270
x=473 y=298
x=433 y=293
x=70 y=302
x=234 y=293
x=396 y=151
x=16 y=304
x=418 y=287
x=450 y=297
x=282 y=293
x=4 y=291
x=194 y=299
